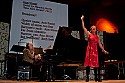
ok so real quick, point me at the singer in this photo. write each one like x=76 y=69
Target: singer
x=91 y=59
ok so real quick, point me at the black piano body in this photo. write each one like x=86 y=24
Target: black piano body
x=71 y=49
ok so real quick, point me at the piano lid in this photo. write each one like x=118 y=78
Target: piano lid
x=72 y=49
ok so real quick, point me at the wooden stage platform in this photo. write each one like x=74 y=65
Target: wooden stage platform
x=66 y=81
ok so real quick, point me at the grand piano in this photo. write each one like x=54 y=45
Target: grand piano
x=72 y=52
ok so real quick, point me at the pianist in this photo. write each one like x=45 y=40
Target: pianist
x=28 y=55
x=29 y=59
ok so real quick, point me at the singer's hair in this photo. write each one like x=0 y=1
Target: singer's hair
x=91 y=28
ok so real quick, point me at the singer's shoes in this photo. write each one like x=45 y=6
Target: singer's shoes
x=98 y=80
x=87 y=80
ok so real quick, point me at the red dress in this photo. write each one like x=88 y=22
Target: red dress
x=91 y=58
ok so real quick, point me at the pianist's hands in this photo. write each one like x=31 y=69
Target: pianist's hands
x=38 y=57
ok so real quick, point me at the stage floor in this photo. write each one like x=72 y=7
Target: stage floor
x=68 y=81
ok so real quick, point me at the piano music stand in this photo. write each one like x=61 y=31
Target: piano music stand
x=38 y=51
x=17 y=48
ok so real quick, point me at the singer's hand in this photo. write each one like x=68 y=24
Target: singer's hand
x=82 y=17
x=106 y=52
